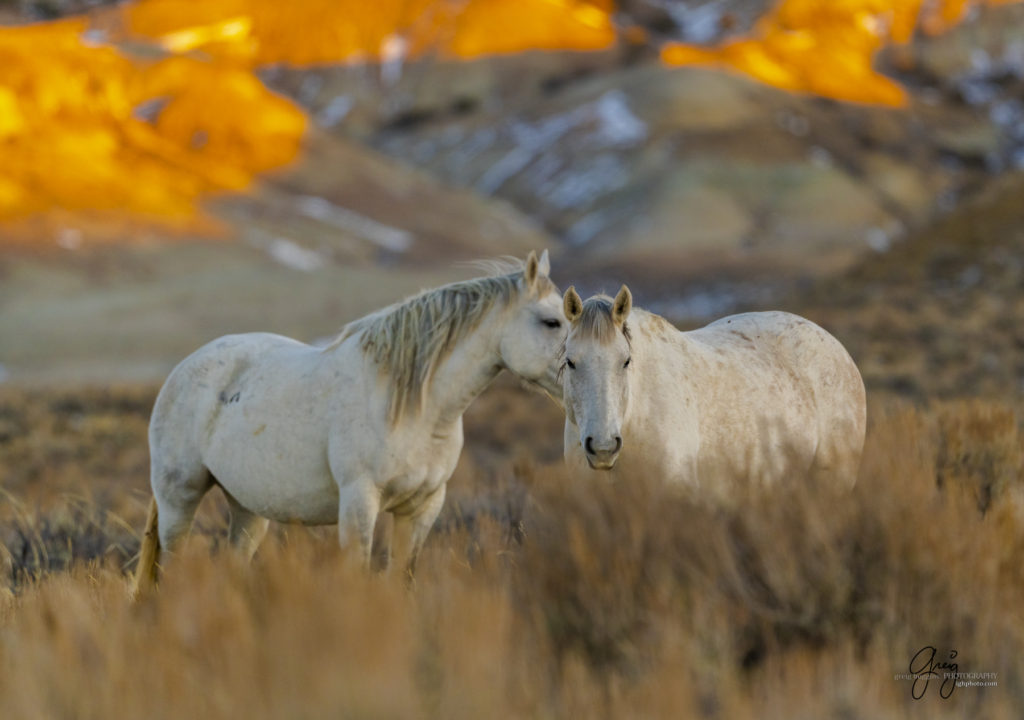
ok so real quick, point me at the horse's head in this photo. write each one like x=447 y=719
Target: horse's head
x=535 y=330
x=595 y=372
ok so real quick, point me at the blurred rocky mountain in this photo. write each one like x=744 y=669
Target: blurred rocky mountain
x=633 y=161
x=704 y=190
x=344 y=203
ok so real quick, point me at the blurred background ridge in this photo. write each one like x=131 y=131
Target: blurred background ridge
x=354 y=153
x=138 y=111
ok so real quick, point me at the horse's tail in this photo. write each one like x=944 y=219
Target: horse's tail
x=149 y=553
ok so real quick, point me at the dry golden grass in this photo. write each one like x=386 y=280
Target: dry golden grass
x=538 y=596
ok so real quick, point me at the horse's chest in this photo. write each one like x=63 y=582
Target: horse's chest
x=413 y=476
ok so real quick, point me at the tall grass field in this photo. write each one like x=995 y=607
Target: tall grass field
x=538 y=595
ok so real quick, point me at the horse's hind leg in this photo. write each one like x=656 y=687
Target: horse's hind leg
x=246 y=529
x=178 y=489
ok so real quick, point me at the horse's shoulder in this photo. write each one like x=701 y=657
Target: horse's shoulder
x=649 y=327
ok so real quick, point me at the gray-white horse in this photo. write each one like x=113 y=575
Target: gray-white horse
x=373 y=422
x=752 y=397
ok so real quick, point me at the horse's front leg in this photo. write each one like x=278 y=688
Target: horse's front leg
x=358 y=505
x=411 y=531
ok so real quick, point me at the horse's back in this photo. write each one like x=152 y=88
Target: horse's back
x=774 y=326
x=228 y=351
x=210 y=377
x=791 y=343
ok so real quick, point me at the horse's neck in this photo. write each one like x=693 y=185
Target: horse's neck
x=664 y=391
x=463 y=374
x=660 y=350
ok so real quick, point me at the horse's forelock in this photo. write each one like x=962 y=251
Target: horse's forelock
x=595 y=321
x=545 y=286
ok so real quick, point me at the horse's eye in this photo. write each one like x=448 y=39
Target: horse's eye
x=552 y=323
x=570 y=363
x=626 y=364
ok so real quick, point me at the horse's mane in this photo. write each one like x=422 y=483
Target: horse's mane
x=409 y=339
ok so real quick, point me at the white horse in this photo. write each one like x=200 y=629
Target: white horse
x=752 y=397
x=373 y=422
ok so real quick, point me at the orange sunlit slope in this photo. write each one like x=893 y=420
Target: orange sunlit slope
x=826 y=47
x=76 y=138
x=93 y=138
x=330 y=31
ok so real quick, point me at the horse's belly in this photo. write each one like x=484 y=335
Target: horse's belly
x=287 y=487
x=294 y=502
x=767 y=450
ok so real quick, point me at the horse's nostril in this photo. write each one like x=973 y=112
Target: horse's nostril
x=588 y=445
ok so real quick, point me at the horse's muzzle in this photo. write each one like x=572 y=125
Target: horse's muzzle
x=602 y=456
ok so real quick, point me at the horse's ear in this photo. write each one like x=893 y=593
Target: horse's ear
x=532 y=265
x=572 y=305
x=621 y=306
x=544 y=266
